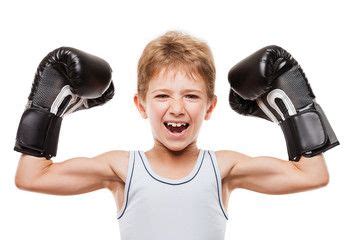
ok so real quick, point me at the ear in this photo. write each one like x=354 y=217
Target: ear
x=210 y=108
x=140 y=106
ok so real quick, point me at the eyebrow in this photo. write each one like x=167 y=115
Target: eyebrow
x=185 y=90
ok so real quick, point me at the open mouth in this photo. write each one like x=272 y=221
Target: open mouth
x=176 y=127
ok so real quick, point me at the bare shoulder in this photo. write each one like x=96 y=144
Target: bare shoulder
x=118 y=161
x=227 y=159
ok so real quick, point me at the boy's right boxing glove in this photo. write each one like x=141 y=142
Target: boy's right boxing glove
x=270 y=84
x=66 y=80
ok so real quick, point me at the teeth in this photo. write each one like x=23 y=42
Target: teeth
x=176 y=124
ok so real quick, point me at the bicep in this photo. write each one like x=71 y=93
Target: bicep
x=268 y=175
x=73 y=176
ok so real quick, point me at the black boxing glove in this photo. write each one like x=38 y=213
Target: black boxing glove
x=270 y=84
x=67 y=80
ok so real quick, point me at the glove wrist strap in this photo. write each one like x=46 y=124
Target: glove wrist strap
x=38 y=133
x=308 y=133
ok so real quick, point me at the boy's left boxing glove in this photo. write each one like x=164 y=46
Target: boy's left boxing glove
x=66 y=80
x=270 y=84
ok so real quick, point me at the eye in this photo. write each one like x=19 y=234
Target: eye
x=192 y=96
x=161 y=96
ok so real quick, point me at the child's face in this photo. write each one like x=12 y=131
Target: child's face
x=174 y=97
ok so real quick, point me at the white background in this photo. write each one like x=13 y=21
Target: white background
x=322 y=36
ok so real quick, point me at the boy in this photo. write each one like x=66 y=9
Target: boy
x=174 y=190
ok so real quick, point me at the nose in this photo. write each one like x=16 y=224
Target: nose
x=177 y=107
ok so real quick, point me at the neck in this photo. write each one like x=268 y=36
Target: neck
x=168 y=156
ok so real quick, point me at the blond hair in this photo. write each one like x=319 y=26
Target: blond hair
x=177 y=50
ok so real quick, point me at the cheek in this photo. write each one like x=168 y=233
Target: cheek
x=157 y=110
x=196 y=110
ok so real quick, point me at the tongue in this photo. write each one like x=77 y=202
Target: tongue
x=176 y=129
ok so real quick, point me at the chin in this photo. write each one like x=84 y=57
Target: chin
x=177 y=147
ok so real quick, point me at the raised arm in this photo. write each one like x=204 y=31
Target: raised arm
x=270 y=84
x=66 y=80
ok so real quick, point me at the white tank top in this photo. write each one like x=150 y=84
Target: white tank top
x=158 y=208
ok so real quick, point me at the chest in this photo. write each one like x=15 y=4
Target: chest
x=179 y=192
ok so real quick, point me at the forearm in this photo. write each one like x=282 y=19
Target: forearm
x=314 y=168
x=29 y=169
